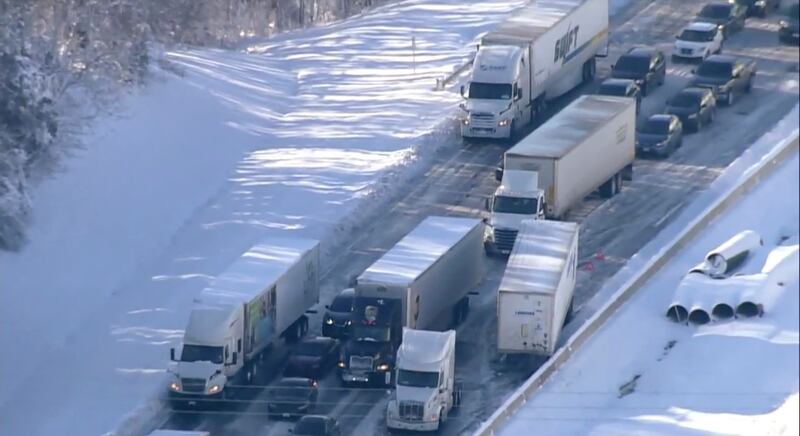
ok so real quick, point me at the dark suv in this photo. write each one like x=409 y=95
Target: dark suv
x=789 y=31
x=729 y=17
x=646 y=66
x=758 y=8
x=694 y=106
x=727 y=76
x=622 y=88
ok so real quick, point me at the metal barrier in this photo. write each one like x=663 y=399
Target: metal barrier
x=777 y=155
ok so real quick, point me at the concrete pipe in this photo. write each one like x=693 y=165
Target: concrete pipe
x=725 y=259
x=677 y=313
x=752 y=291
x=723 y=311
x=686 y=292
x=699 y=316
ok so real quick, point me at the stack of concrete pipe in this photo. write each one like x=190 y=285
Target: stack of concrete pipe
x=714 y=291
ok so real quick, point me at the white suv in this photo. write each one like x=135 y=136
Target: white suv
x=698 y=41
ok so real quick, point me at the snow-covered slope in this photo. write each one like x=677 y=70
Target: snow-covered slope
x=642 y=374
x=304 y=135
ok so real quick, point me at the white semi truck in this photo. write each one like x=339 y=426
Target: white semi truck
x=589 y=145
x=426 y=390
x=419 y=283
x=535 y=297
x=260 y=298
x=541 y=52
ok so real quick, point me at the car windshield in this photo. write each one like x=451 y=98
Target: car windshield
x=632 y=64
x=714 y=69
x=716 y=11
x=372 y=333
x=490 y=91
x=656 y=127
x=290 y=390
x=419 y=379
x=696 y=35
x=310 y=349
x=310 y=425
x=526 y=206
x=201 y=353
x=685 y=99
x=342 y=303
x=608 y=89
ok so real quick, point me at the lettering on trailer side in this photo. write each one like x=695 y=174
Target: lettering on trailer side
x=569 y=41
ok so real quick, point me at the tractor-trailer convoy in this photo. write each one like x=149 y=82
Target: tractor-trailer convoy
x=541 y=52
x=260 y=298
x=589 y=145
x=535 y=297
x=420 y=282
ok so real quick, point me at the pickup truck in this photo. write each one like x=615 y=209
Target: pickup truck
x=727 y=76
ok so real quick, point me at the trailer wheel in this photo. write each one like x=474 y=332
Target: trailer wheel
x=609 y=187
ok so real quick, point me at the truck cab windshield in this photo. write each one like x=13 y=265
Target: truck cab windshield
x=417 y=379
x=201 y=353
x=517 y=205
x=372 y=333
x=490 y=91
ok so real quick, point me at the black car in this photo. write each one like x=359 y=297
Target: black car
x=313 y=357
x=789 y=31
x=694 y=106
x=661 y=135
x=727 y=76
x=338 y=318
x=622 y=88
x=729 y=17
x=292 y=397
x=758 y=8
x=646 y=66
x=317 y=425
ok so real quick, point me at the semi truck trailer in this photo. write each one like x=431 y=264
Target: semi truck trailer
x=257 y=300
x=420 y=282
x=589 y=145
x=535 y=298
x=543 y=50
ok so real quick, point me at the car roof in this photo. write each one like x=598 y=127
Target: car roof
x=701 y=26
x=618 y=82
x=294 y=381
x=349 y=293
x=661 y=117
x=721 y=59
x=644 y=52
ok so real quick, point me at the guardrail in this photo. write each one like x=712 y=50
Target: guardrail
x=752 y=175
x=441 y=83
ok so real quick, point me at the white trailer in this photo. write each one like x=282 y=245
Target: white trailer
x=430 y=271
x=535 y=297
x=589 y=145
x=260 y=298
x=426 y=390
x=543 y=50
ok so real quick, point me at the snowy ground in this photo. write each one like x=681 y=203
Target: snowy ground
x=313 y=134
x=642 y=374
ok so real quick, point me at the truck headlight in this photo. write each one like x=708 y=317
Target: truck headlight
x=761 y=3
x=213 y=389
x=502 y=123
x=488 y=233
x=383 y=367
x=348 y=322
x=465 y=121
x=783 y=23
x=175 y=386
x=340 y=364
x=329 y=321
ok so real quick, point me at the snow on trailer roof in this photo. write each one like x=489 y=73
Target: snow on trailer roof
x=418 y=250
x=533 y=20
x=423 y=350
x=538 y=258
x=570 y=127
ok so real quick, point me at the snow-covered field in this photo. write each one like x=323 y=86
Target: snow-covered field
x=642 y=374
x=304 y=136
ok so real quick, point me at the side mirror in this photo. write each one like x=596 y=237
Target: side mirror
x=234 y=357
x=498 y=174
x=486 y=204
x=327 y=306
x=519 y=93
x=462 y=90
x=172 y=354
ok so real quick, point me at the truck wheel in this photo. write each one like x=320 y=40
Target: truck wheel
x=589 y=70
x=609 y=188
x=619 y=183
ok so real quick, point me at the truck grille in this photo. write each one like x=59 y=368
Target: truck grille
x=482 y=121
x=411 y=410
x=359 y=362
x=193 y=384
x=504 y=238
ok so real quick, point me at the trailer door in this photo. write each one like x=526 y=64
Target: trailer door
x=523 y=323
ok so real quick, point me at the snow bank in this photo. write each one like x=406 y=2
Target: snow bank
x=306 y=135
x=641 y=374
